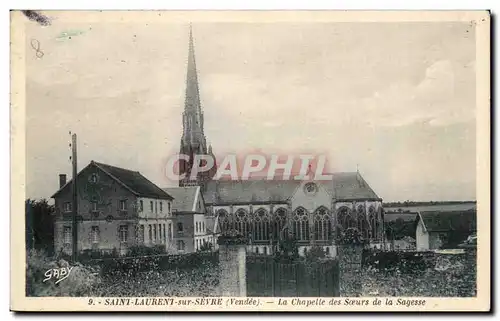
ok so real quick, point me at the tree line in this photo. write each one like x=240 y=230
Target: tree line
x=422 y=203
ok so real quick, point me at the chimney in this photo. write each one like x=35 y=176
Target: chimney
x=62 y=180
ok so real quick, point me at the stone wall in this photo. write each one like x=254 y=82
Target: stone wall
x=232 y=264
x=350 y=257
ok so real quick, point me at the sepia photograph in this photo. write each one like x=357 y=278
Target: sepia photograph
x=250 y=161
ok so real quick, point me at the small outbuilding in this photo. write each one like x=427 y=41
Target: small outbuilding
x=444 y=229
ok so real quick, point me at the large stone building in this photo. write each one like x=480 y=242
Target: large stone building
x=314 y=211
x=117 y=209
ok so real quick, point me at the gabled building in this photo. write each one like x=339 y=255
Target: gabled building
x=444 y=229
x=117 y=208
x=192 y=229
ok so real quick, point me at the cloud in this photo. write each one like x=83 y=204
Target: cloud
x=438 y=98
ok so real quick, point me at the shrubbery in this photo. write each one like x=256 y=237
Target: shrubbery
x=194 y=274
x=430 y=274
x=80 y=282
x=142 y=250
x=176 y=280
x=206 y=247
x=197 y=274
x=396 y=260
x=315 y=253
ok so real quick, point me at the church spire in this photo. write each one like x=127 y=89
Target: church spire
x=193 y=133
x=192 y=90
x=193 y=141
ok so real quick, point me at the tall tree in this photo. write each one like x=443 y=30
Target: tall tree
x=40 y=225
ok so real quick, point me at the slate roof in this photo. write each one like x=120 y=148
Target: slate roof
x=184 y=197
x=440 y=221
x=132 y=180
x=343 y=187
x=249 y=191
x=352 y=186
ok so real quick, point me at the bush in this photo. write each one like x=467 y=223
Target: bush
x=315 y=253
x=288 y=249
x=394 y=260
x=350 y=236
x=130 y=266
x=142 y=250
x=206 y=247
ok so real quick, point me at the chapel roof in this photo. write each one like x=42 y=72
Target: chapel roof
x=345 y=186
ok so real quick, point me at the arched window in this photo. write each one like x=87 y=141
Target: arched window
x=261 y=228
x=241 y=222
x=362 y=223
x=224 y=220
x=279 y=222
x=301 y=224
x=373 y=222
x=345 y=219
x=322 y=224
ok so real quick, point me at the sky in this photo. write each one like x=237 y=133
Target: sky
x=395 y=100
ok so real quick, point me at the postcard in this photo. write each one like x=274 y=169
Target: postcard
x=250 y=161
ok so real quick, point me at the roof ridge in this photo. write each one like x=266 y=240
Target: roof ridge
x=153 y=184
x=116 y=167
x=99 y=165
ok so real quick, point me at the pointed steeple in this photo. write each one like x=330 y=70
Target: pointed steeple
x=192 y=91
x=193 y=133
x=193 y=141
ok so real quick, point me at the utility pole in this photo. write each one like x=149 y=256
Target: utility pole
x=75 y=198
